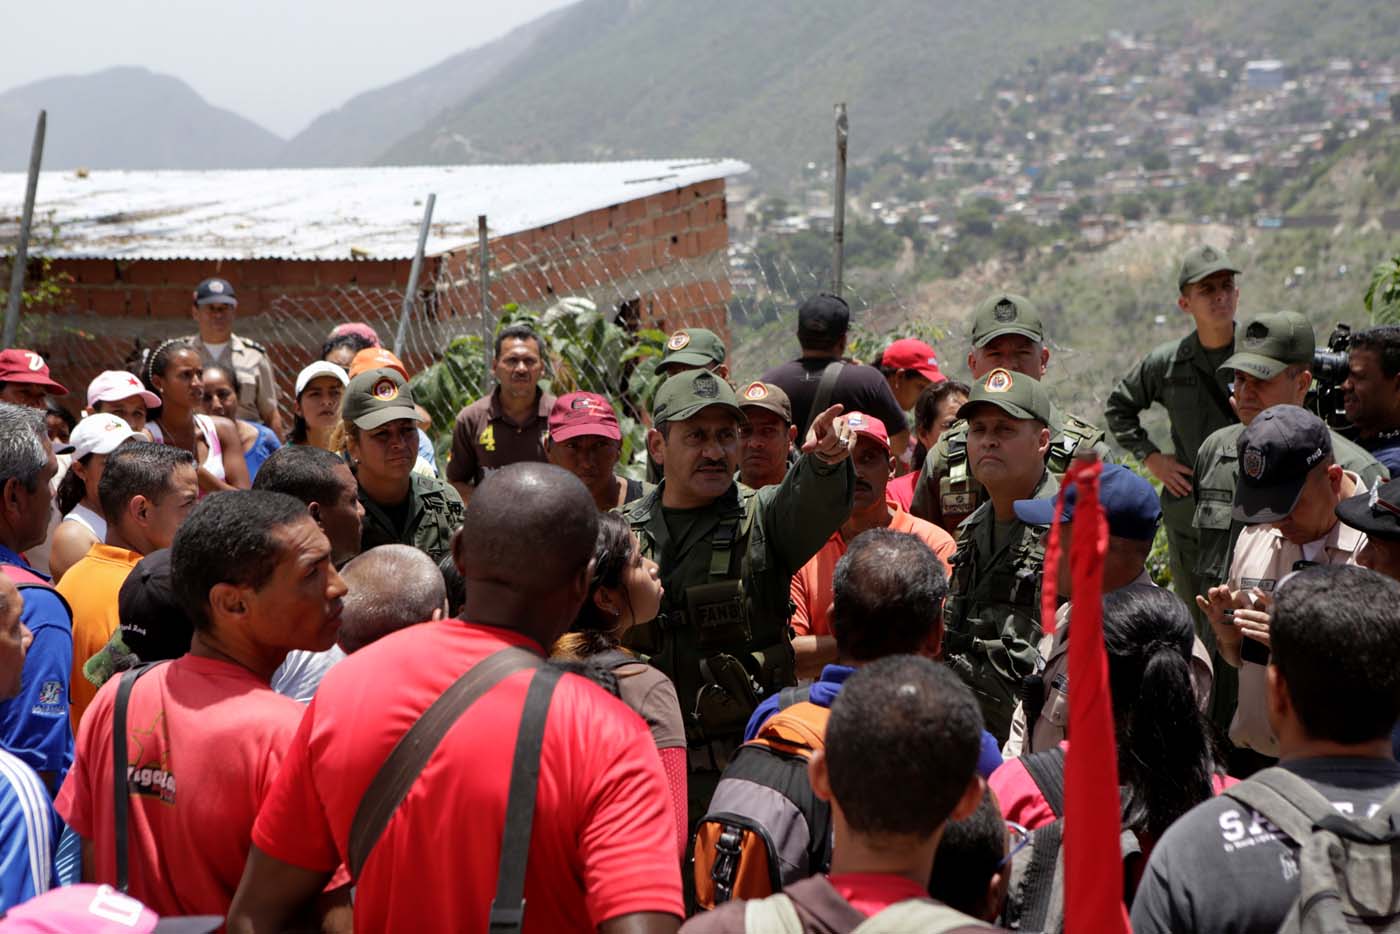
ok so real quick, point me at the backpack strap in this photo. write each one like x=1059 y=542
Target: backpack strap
x=508 y=906
x=798 y=730
x=612 y=659
x=120 y=770
x=822 y=400
x=772 y=915
x=1287 y=801
x=401 y=769
x=1043 y=889
x=920 y=914
x=1047 y=770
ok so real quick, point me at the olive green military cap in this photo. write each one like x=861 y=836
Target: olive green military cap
x=1202 y=261
x=1271 y=343
x=376 y=397
x=1005 y=313
x=692 y=347
x=1016 y=394
x=685 y=394
x=766 y=396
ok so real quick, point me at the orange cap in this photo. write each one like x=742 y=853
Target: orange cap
x=374 y=358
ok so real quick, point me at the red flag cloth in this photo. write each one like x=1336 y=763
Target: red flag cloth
x=1093 y=863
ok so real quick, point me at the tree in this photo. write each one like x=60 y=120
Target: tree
x=1382 y=299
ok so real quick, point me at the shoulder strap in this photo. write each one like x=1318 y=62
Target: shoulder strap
x=772 y=915
x=822 y=400
x=1047 y=770
x=508 y=906
x=731 y=530
x=612 y=659
x=920 y=914
x=1289 y=802
x=120 y=793
x=800 y=729
x=23 y=578
x=401 y=769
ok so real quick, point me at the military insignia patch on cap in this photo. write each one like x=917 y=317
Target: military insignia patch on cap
x=1005 y=311
x=384 y=390
x=1209 y=254
x=706 y=386
x=1256 y=332
x=755 y=392
x=998 y=381
x=1253 y=463
x=678 y=341
x=216 y=287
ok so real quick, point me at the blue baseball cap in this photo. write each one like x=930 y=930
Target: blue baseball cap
x=1129 y=502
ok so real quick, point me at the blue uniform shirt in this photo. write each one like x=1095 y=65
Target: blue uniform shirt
x=824 y=690
x=34 y=725
x=29 y=833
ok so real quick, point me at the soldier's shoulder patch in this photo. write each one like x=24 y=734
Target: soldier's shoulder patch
x=260 y=348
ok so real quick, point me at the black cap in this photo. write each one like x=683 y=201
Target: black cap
x=1277 y=451
x=824 y=315
x=1375 y=512
x=153 y=623
x=215 y=292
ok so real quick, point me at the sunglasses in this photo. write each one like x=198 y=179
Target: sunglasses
x=1018 y=838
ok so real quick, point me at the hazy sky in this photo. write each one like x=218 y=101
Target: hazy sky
x=278 y=62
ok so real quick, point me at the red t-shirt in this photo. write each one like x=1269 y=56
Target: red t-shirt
x=901 y=489
x=872 y=892
x=204 y=739
x=603 y=843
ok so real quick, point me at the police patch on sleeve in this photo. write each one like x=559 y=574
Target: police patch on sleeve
x=50 y=701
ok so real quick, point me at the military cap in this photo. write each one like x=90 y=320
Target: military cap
x=1271 y=343
x=215 y=292
x=1016 y=394
x=692 y=347
x=376 y=397
x=757 y=395
x=1375 y=512
x=685 y=394
x=1277 y=451
x=1202 y=261
x=1005 y=313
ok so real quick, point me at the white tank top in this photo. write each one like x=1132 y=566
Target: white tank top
x=88 y=520
x=203 y=424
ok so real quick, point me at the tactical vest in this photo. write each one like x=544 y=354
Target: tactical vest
x=959 y=494
x=721 y=647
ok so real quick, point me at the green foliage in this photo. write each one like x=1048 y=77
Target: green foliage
x=584 y=351
x=1382 y=299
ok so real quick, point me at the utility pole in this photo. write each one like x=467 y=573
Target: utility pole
x=838 y=219
x=26 y=221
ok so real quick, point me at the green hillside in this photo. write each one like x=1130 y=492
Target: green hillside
x=628 y=78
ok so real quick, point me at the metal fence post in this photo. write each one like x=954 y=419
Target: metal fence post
x=410 y=292
x=36 y=155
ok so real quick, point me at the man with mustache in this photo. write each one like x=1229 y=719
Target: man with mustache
x=727 y=554
x=992 y=613
x=813 y=640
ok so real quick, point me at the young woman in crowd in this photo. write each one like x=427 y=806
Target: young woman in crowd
x=626 y=590
x=221 y=400
x=1167 y=761
x=83 y=523
x=175 y=372
x=319 y=388
x=934 y=412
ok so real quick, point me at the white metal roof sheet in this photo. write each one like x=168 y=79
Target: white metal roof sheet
x=321 y=213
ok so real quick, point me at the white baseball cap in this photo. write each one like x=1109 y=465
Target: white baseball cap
x=115 y=385
x=99 y=434
x=320 y=368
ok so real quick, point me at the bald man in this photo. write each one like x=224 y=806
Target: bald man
x=392 y=587
x=603 y=848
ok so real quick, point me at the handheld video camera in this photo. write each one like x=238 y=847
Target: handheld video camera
x=1330 y=369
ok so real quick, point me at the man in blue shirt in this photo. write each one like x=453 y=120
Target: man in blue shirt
x=887 y=599
x=34 y=724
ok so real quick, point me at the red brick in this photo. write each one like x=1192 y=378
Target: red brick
x=167 y=303
x=712 y=239
x=670 y=224
x=112 y=301
x=88 y=271
x=635 y=210
x=707 y=189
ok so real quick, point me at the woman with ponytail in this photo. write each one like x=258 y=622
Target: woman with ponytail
x=625 y=591
x=175 y=372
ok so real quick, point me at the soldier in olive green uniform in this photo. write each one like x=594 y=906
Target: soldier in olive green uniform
x=1270 y=367
x=1007 y=332
x=381 y=440
x=992 y=615
x=727 y=555
x=1185 y=377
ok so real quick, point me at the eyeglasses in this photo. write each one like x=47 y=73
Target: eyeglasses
x=1379 y=506
x=1018 y=837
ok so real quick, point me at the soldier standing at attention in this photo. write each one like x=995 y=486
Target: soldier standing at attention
x=1007 y=332
x=1185 y=376
x=727 y=554
x=214 y=308
x=992 y=615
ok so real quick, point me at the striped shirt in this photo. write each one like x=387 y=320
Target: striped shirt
x=29 y=832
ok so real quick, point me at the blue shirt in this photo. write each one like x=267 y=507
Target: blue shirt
x=824 y=690
x=261 y=450
x=34 y=725
x=29 y=834
x=425 y=448
x=1384 y=449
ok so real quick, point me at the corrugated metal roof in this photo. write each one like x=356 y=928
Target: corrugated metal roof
x=322 y=213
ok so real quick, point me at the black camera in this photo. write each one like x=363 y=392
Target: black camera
x=1330 y=368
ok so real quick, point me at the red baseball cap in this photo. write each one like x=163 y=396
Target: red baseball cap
x=869 y=426
x=583 y=413
x=912 y=354
x=25 y=366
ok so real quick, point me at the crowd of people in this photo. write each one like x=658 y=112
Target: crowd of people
x=269 y=675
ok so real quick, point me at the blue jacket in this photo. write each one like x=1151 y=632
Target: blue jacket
x=34 y=725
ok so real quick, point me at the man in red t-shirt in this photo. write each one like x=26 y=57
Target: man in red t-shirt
x=899 y=763
x=602 y=852
x=205 y=734
x=812 y=641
